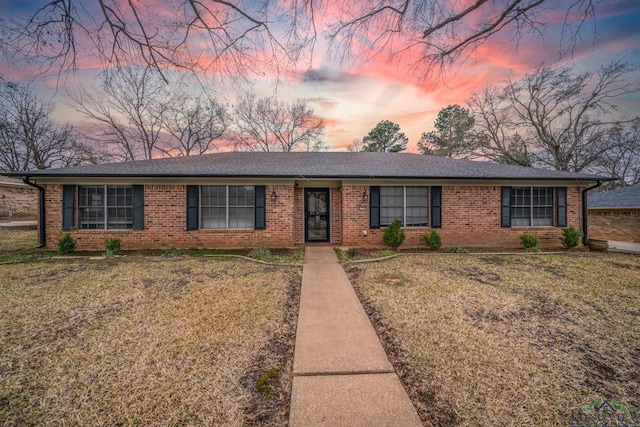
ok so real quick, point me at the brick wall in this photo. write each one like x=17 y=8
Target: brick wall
x=336 y=216
x=23 y=201
x=621 y=225
x=470 y=217
x=165 y=223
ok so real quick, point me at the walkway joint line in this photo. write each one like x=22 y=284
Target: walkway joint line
x=326 y=374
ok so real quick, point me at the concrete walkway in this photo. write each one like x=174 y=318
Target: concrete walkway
x=341 y=374
x=626 y=247
x=19 y=224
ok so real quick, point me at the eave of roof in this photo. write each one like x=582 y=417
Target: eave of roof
x=327 y=165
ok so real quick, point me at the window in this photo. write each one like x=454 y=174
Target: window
x=105 y=207
x=408 y=204
x=531 y=206
x=227 y=206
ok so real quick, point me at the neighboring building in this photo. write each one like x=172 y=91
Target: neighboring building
x=18 y=201
x=290 y=199
x=615 y=214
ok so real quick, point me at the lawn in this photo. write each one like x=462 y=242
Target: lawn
x=15 y=243
x=508 y=340
x=146 y=341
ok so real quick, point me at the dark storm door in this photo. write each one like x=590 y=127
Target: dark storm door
x=316 y=214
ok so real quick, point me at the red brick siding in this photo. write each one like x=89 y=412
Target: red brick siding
x=165 y=223
x=470 y=217
x=23 y=202
x=622 y=225
x=336 y=216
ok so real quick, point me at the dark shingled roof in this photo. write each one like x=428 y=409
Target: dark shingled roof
x=311 y=165
x=625 y=197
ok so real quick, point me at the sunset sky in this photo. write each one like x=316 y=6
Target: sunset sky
x=352 y=99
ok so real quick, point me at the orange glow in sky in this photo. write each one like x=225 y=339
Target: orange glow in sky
x=352 y=99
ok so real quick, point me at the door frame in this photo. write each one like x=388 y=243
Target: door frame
x=304 y=213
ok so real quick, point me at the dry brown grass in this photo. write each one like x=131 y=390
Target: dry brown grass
x=139 y=341
x=16 y=242
x=508 y=340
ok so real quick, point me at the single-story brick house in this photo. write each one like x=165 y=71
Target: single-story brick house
x=615 y=214
x=241 y=199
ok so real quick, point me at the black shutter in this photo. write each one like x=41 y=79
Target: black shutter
x=68 y=198
x=506 y=207
x=261 y=210
x=561 y=204
x=138 y=207
x=374 y=207
x=193 y=193
x=436 y=207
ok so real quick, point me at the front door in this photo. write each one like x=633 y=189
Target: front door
x=316 y=214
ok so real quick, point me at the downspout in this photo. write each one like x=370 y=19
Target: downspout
x=585 y=212
x=41 y=223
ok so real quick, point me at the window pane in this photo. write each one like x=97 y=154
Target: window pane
x=241 y=217
x=391 y=204
x=213 y=195
x=417 y=206
x=542 y=206
x=91 y=207
x=241 y=206
x=119 y=207
x=214 y=217
x=521 y=206
x=531 y=206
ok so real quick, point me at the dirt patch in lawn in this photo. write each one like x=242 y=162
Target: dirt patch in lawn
x=180 y=341
x=507 y=340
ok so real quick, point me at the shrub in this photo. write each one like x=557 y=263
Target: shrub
x=173 y=252
x=432 y=240
x=260 y=253
x=457 y=250
x=394 y=234
x=529 y=240
x=66 y=244
x=353 y=252
x=112 y=246
x=570 y=237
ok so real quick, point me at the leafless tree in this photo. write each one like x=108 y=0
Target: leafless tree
x=127 y=111
x=495 y=132
x=622 y=160
x=30 y=139
x=193 y=123
x=357 y=145
x=555 y=118
x=274 y=35
x=266 y=124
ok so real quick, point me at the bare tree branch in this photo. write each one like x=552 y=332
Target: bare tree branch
x=128 y=111
x=267 y=124
x=275 y=36
x=29 y=139
x=557 y=119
